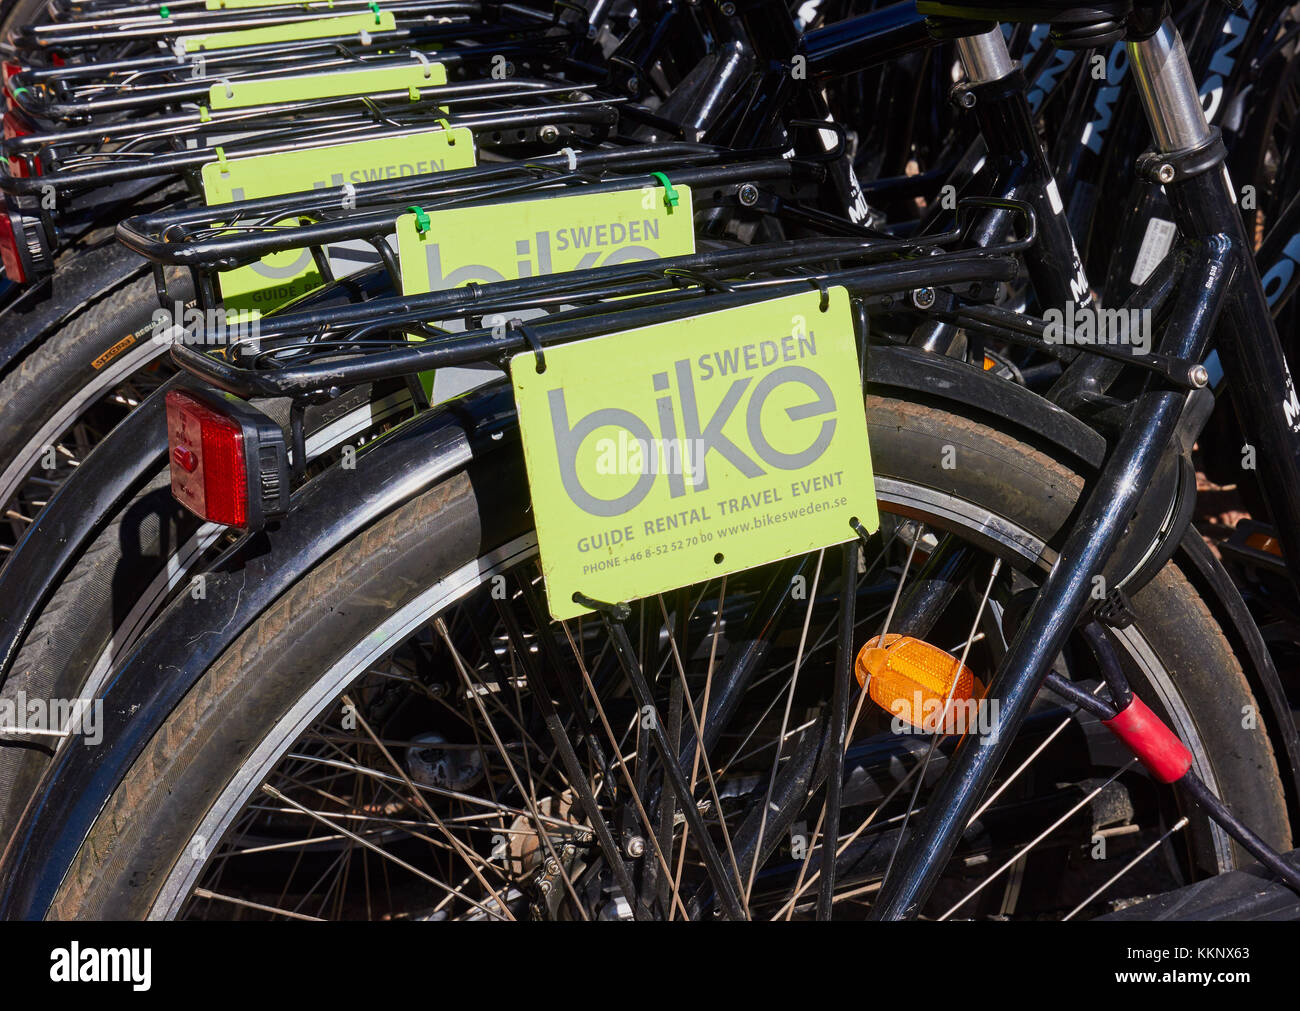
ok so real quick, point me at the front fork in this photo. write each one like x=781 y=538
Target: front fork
x=1220 y=296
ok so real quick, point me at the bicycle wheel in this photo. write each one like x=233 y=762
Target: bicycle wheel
x=142 y=556
x=69 y=391
x=388 y=739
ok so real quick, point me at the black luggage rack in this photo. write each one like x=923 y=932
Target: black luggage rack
x=315 y=354
x=81 y=92
x=143 y=85
x=136 y=33
x=501 y=113
x=208 y=240
x=311 y=350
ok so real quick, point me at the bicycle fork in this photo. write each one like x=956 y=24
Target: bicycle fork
x=1220 y=294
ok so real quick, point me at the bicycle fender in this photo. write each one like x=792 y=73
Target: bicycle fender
x=114 y=470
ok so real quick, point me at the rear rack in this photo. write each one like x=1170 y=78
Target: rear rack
x=500 y=113
x=91 y=30
x=306 y=352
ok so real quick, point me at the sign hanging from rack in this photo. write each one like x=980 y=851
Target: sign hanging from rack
x=505 y=241
x=526 y=238
x=293 y=31
x=279 y=277
x=672 y=454
x=370 y=81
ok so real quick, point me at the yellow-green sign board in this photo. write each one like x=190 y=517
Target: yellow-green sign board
x=335 y=84
x=280 y=277
x=293 y=31
x=507 y=241
x=671 y=454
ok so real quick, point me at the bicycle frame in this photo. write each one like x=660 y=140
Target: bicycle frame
x=1220 y=298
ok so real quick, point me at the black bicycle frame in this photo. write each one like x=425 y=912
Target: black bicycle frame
x=1220 y=298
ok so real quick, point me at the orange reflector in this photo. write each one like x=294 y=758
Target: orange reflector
x=1264 y=542
x=911 y=679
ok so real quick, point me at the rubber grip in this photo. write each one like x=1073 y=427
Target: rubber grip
x=1156 y=746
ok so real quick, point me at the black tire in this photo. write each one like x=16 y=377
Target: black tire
x=149 y=824
x=114 y=588
x=68 y=380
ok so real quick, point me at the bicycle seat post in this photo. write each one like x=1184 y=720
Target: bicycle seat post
x=985 y=57
x=1168 y=90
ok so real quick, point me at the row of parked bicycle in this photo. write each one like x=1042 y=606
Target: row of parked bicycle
x=625 y=460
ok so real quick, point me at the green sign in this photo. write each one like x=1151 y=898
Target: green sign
x=507 y=241
x=306 y=87
x=293 y=31
x=674 y=453
x=499 y=242
x=279 y=277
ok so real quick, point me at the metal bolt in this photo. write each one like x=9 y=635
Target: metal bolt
x=549 y=133
x=1199 y=376
x=923 y=298
x=636 y=847
x=728 y=10
x=966 y=99
x=634 y=85
x=748 y=194
x=1165 y=173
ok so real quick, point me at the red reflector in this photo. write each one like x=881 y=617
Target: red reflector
x=14 y=126
x=208 y=469
x=9 y=254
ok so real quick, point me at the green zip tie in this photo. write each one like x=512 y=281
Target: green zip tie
x=164 y=13
x=375 y=7
x=670 y=194
x=204 y=115
x=413 y=92
x=20 y=90
x=421 y=219
x=446 y=126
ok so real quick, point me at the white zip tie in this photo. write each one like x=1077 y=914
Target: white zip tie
x=572 y=155
x=230 y=88
x=350 y=194
x=365 y=37
x=424 y=62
